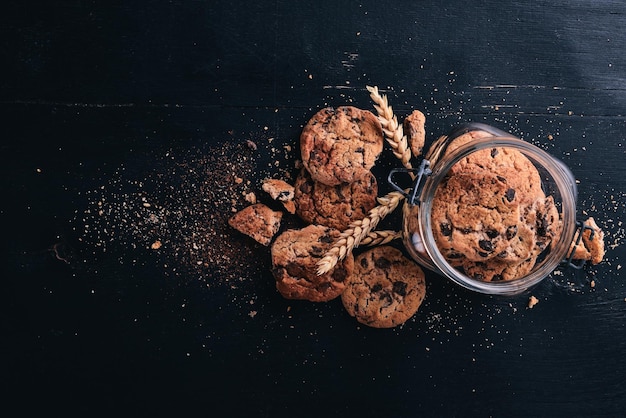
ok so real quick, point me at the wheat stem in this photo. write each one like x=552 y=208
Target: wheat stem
x=380 y=237
x=358 y=231
x=394 y=133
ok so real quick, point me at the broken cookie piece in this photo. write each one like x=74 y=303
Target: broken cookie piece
x=257 y=221
x=278 y=189
x=591 y=246
x=414 y=127
x=282 y=191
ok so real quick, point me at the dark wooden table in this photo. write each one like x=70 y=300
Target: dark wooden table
x=131 y=130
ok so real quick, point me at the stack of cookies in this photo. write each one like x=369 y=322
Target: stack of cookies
x=335 y=187
x=491 y=218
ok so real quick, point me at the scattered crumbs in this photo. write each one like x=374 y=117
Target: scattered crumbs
x=179 y=207
x=592 y=283
x=252 y=314
x=532 y=301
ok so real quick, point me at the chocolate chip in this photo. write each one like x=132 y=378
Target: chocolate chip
x=326 y=239
x=446 y=230
x=497 y=278
x=454 y=255
x=542 y=226
x=316 y=251
x=339 y=274
x=377 y=288
x=338 y=190
x=387 y=298
x=364 y=262
x=478 y=276
x=485 y=245
x=483 y=254
x=399 y=288
x=511 y=231
x=494 y=152
x=382 y=263
x=466 y=230
x=306 y=187
x=294 y=270
x=510 y=194
x=315 y=156
x=360 y=150
x=502 y=179
x=492 y=233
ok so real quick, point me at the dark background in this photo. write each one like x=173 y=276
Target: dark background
x=119 y=104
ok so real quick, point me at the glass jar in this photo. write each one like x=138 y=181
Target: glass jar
x=489 y=211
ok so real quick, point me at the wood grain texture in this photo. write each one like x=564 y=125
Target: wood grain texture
x=98 y=97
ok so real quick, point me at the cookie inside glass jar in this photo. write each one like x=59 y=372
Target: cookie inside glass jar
x=491 y=218
x=493 y=213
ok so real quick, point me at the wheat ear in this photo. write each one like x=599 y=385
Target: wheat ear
x=357 y=231
x=380 y=237
x=394 y=133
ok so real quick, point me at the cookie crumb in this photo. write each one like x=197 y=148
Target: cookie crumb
x=250 y=197
x=532 y=302
x=156 y=245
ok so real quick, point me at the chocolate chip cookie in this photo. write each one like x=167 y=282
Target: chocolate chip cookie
x=295 y=253
x=474 y=217
x=386 y=288
x=340 y=145
x=334 y=206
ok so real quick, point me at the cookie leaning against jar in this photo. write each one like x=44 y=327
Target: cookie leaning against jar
x=339 y=145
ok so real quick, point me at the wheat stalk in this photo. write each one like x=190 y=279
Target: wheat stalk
x=394 y=133
x=358 y=231
x=380 y=237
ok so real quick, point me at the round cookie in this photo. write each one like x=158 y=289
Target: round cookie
x=340 y=145
x=473 y=217
x=334 y=206
x=295 y=254
x=386 y=288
